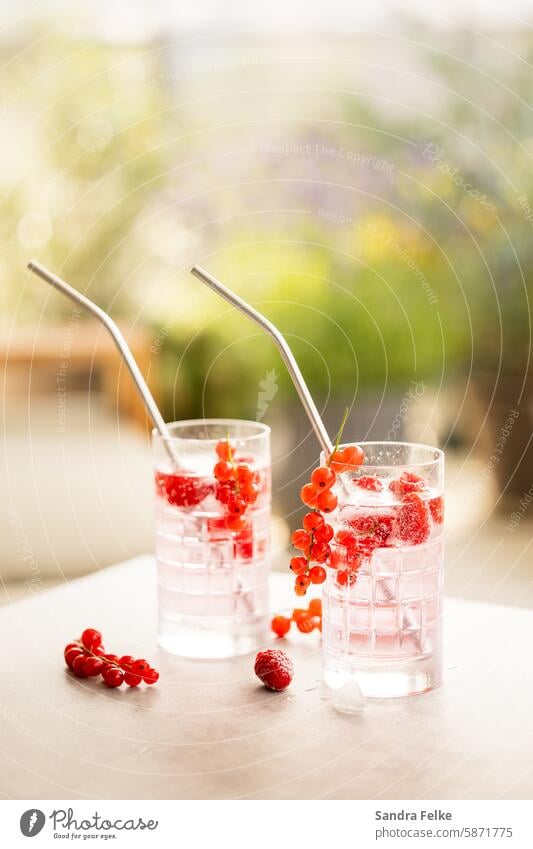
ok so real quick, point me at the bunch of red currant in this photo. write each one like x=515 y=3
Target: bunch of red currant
x=236 y=485
x=314 y=538
x=86 y=658
x=305 y=620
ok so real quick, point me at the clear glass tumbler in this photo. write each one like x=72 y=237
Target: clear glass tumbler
x=382 y=600
x=213 y=536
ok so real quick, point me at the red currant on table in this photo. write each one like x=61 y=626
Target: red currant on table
x=91 y=638
x=113 y=676
x=93 y=666
x=281 y=625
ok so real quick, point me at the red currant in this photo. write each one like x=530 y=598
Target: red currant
x=302 y=582
x=327 y=501
x=305 y=624
x=78 y=666
x=324 y=533
x=91 y=638
x=319 y=552
x=298 y=565
x=223 y=472
x=131 y=679
x=309 y=495
x=301 y=540
x=317 y=575
x=323 y=477
x=224 y=450
x=113 y=676
x=281 y=625
x=312 y=521
x=151 y=676
x=93 y=666
x=72 y=654
x=315 y=607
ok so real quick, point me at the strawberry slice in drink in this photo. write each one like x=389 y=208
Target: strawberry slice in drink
x=182 y=490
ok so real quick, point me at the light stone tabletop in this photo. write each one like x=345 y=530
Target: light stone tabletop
x=209 y=730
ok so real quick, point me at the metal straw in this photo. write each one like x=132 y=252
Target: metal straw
x=297 y=379
x=121 y=344
x=285 y=351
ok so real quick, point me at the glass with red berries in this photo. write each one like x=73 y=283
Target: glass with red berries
x=213 y=496
x=382 y=598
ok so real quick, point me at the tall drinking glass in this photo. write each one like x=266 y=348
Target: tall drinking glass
x=213 y=537
x=382 y=600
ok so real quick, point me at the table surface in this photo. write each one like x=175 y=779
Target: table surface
x=209 y=731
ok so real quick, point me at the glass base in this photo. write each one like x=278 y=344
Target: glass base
x=384 y=679
x=212 y=638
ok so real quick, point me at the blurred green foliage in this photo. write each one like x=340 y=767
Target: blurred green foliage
x=407 y=258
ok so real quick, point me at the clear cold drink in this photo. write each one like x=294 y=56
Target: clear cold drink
x=382 y=600
x=213 y=568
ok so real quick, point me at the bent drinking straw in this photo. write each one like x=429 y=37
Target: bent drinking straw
x=121 y=344
x=297 y=379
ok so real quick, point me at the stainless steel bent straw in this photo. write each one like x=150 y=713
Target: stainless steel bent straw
x=285 y=351
x=121 y=344
x=297 y=379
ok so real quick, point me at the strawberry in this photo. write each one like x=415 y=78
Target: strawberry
x=182 y=490
x=407 y=482
x=412 y=523
x=274 y=668
x=436 y=507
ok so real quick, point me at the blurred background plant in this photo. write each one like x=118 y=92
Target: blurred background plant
x=367 y=189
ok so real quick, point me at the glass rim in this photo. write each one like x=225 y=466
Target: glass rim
x=261 y=430
x=437 y=458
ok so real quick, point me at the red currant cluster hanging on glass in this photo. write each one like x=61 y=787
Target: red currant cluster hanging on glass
x=314 y=537
x=86 y=658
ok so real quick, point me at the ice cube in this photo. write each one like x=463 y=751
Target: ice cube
x=349 y=698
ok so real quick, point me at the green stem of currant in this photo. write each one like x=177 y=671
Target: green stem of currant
x=339 y=435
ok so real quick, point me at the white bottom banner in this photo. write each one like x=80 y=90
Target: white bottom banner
x=267 y=824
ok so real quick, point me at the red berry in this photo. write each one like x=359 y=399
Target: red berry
x=369 y=482
x=436 y=506
x=301 y=540
x=112 y=658
x=245 y=476
x=312 y=521
x=317 y=575
x=345 y=578
x=224 y=450
x=183 y=490
x=299 y=590
x=223 y=472
x=323 y=477
x=151 y=676
x=234 y=523
x=274 y=669
x=126 y=661
x=281 y=625
x=315 y=607
x=324 y=533
x=309 y=495
x=305 y=624
x=236 y=507
x=353 y=456
x=78 y=666
x=131 y=679
x=301 y=583
x=72 y=654
x=319 y=552
x=113 y=676
x=141 y=666
x=93 y=666
x=327 y=501
x=407 y=482
x=412 y=524
x=91 y=638
x=298 y=565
